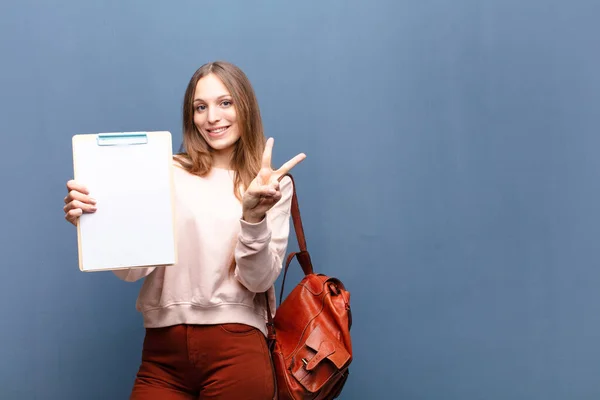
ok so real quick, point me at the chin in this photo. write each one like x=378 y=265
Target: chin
x=225 y=143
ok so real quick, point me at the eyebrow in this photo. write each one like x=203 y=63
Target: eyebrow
x=196 y=100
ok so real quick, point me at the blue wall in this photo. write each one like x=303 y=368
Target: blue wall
x=451 y=181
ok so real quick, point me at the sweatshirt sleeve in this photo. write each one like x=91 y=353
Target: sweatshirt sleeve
x=261 y=247
x=133 y=274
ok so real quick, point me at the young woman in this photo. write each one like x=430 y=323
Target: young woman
x=205 y=317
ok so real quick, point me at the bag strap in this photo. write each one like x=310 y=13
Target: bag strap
x=303 y=256
x=296 y=218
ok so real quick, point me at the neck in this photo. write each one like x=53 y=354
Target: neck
x=222 y=159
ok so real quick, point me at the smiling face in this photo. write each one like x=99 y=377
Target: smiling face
x=215 y=117
x=222 y=125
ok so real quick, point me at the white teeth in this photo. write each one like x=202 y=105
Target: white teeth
x=217 y=130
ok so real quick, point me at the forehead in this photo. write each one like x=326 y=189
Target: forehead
x=210 y=88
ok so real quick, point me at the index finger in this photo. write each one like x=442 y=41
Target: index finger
x=266 y=160
x=287 y=167
x=73 y=185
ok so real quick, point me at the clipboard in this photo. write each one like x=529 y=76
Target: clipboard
x=130 y=174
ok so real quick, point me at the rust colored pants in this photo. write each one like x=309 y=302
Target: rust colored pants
x=186 y=362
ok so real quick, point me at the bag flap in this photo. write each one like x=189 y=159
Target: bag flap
x=326 y=347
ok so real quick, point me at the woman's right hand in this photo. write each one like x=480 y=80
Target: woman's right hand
x=77 y=202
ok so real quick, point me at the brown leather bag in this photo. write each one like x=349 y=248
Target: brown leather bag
x=309 y=337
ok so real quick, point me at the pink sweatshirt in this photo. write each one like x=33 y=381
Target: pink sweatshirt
x=200 y=289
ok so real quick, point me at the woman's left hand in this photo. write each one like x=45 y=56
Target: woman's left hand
x=263 y=192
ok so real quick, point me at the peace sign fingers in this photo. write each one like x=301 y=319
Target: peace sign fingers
x=263 y=192
x=285 y=168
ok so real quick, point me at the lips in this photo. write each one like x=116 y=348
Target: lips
x=216 y=132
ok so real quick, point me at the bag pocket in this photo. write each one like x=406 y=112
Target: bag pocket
x=321 y=360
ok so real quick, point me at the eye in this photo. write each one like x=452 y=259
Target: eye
x=201 y=107
x=226 y=103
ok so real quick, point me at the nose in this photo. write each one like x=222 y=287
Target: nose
x=213 y=115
